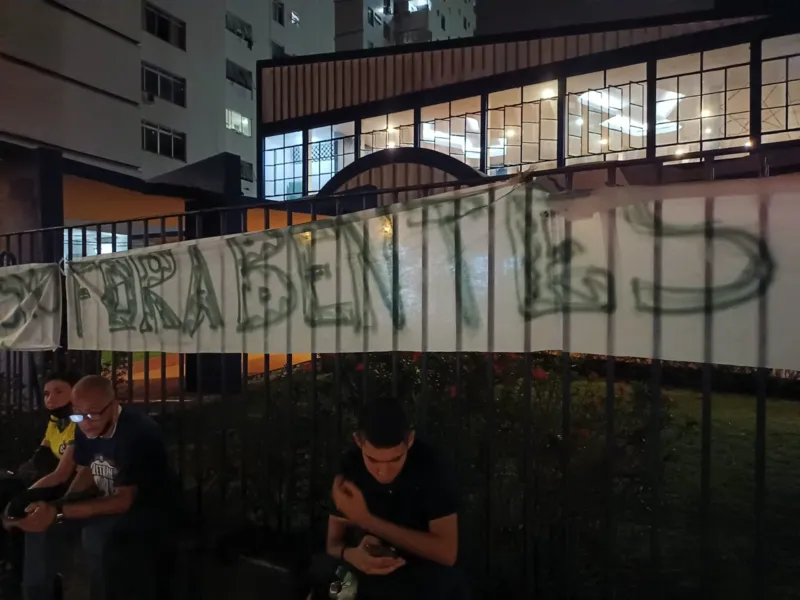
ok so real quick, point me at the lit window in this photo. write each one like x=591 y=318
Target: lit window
x=522 y=128
x=236 y=122
x=703 y=101
x=295 y=19
x=330 y=149
x=283 y=166
x=454 y=128
x=606 y=114
x=780 y=89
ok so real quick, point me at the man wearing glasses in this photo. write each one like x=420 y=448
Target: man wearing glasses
x=118 y=500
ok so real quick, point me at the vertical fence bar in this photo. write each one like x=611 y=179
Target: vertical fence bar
x=244 y=399
x=83 y=254
x=528 y=460
x=286 y=509
x=760 y=579
x=146 y=359
x=224 y=477
x=425 y=303
x=337 y=360
x=490 y=372
x=654 y=437
x=114 y=355
x=707 y=577
x=610 y=400
x=201 y=428
x=129 y=232
x=163 y=226
x=566 y=412
x=266 y=434
x=181 y=432
x=9 y=260
x=395 y=221
x=365 y=306
x=312 y=472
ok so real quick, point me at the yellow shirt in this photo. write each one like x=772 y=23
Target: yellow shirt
x=58 y=439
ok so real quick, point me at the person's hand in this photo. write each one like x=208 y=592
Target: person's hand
x=350 y=502
x=362 y=560
x=41 y=516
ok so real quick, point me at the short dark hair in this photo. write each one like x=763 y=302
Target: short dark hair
x=383 y=423
x=69 y=377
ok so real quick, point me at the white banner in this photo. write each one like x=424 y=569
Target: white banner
x=600 y=265
x=30 y=307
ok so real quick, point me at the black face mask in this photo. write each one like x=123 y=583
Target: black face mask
x=63 y=412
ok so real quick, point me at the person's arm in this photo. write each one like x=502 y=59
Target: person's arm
x=439 y=545
x=62 y=473
x=118 y=503
x=334 y=544
x=42 y=461
x=83 y=482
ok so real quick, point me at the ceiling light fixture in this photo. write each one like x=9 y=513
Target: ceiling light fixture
x=547 y=93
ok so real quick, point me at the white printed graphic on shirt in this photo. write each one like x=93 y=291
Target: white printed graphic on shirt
x=104 y=473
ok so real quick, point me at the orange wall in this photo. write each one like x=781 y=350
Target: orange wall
x=96 y=202
x=277 y=219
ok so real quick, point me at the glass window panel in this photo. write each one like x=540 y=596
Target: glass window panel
x=669 y=67
x=625 y=75
x=786 y=45
x=373 y=124
x=725 y=57
x=439 y=111
x=794 y=92
x=773 y=120
x=401 y=119
x=467 y=105
x=505 y=98
x=587 y=81
x=540 y=91
x=773 y=71
x=738 y=78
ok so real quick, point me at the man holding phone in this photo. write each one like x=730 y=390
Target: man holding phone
x=394 y=495
x=118 y=501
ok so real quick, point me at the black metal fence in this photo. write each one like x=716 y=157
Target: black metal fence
x=580 y=476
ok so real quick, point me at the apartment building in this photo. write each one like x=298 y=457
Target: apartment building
x=364 y=24
x=145 y=87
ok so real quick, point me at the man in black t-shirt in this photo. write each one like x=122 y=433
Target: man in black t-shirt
x=119 y=499
x=394 y=495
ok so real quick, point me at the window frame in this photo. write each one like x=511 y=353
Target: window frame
x=176 y=35
x=160 y=130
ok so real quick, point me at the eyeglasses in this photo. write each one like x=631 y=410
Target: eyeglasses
x=77 y=418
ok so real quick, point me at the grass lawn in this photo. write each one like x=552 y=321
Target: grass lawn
x=733 y=435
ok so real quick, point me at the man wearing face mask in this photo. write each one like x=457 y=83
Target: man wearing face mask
x=47 y=472
x=122 y=464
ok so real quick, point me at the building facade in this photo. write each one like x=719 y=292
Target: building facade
x=366 y=24
x=548 y=101
x=145 y=87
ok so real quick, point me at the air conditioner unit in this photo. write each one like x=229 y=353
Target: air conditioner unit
x=148 y=97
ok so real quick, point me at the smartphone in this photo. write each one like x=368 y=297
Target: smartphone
x=381 y=551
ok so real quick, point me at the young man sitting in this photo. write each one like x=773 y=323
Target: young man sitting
x=119 y=500
x=393 y=491
x=48 y=471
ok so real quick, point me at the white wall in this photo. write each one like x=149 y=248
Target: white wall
x=68 y=82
